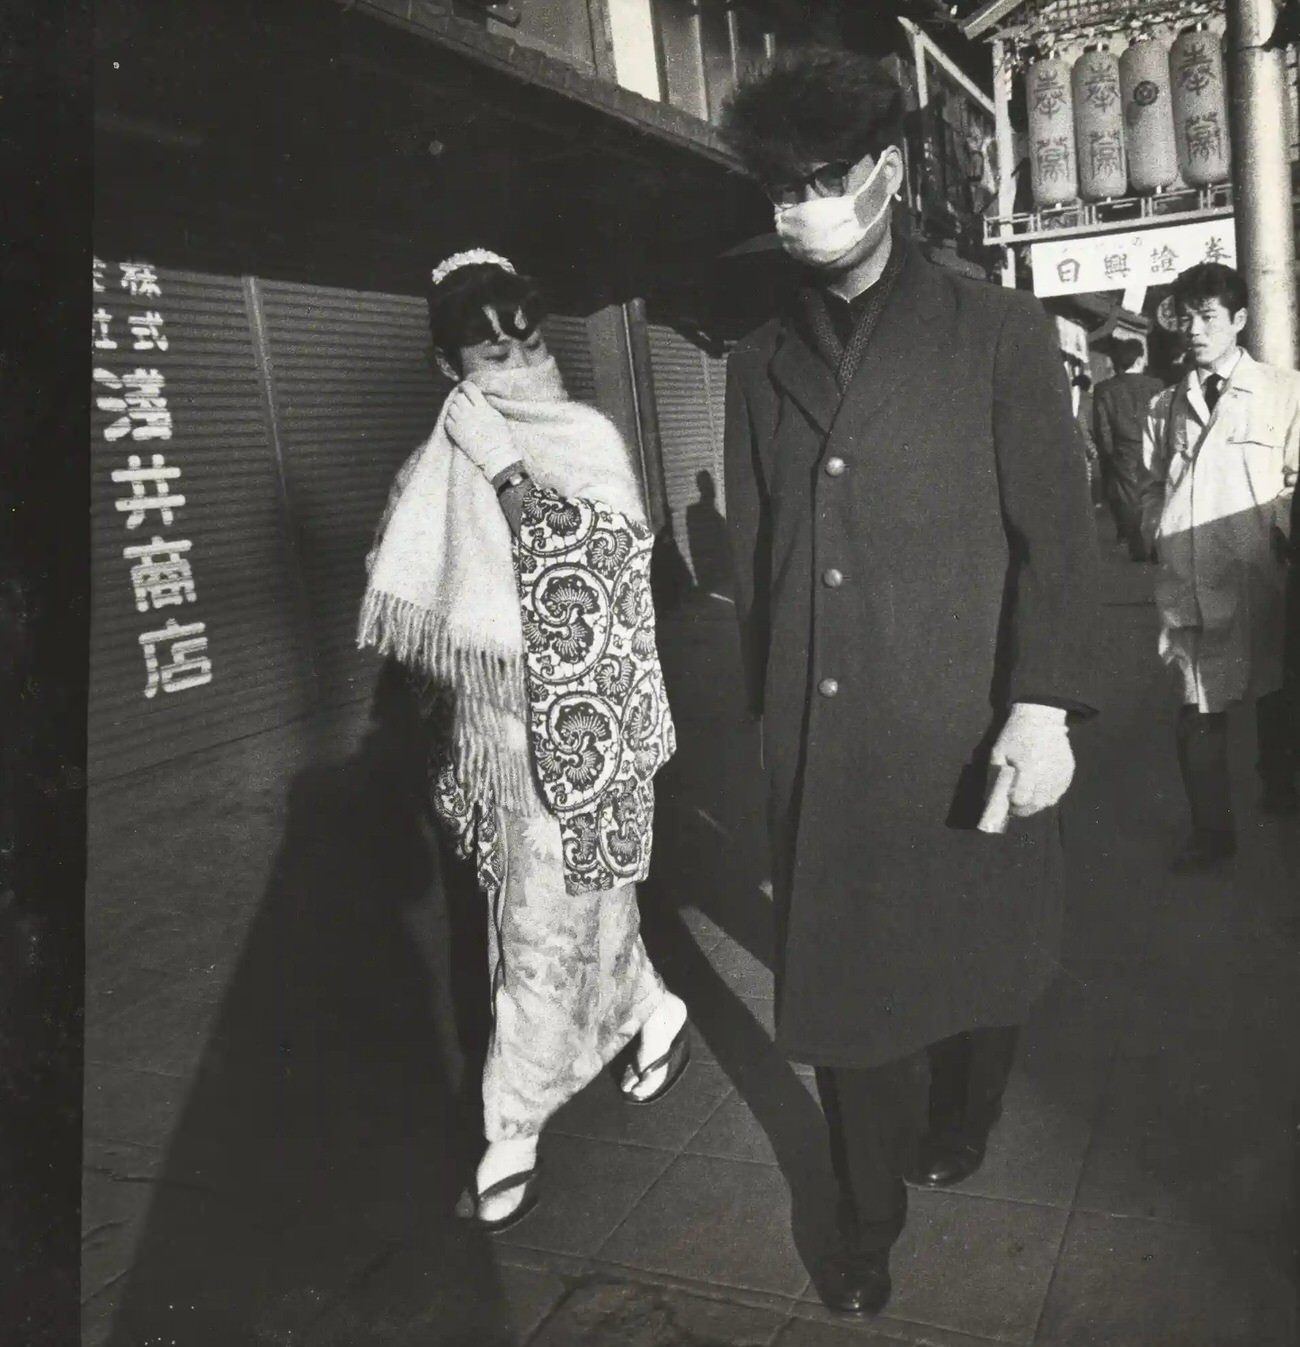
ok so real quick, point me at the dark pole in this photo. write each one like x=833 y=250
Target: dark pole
x=1262 y=180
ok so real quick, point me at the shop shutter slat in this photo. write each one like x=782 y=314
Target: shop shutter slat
x=354 y=395
x=569 y=342
x=689 y=388
x=232 y=516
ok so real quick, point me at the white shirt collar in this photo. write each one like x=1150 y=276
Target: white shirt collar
x=1224 y=369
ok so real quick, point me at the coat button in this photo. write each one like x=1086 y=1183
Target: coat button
x=832 y=578
x=828 y=687
x=835 y=467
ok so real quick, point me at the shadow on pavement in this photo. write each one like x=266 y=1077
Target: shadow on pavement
x=322 y=1145
x=711 y=854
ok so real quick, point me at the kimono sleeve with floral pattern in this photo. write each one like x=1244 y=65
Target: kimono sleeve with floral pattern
x=598 y=712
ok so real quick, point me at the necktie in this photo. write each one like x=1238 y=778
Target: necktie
x=1212 y=387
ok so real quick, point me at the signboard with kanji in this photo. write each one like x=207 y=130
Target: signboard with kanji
x=1142 y=258
x=127 y=330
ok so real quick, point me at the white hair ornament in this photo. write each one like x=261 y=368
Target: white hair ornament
x=471 y=258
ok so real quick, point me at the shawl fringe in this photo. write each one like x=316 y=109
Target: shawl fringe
x=421 y=640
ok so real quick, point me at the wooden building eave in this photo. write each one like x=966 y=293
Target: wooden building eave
x=664 y=122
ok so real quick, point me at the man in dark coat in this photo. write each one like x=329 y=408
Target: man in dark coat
x=916 y=562
x=1119 y=412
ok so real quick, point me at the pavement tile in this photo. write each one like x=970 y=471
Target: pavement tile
x=124 y=1104
x=118 y=1183
x=1134 y=1283
x=205 y=1272
x=610 y=1312
x=708 y=934
x=166 y=1033
x=717 y=1221
x=1198 y=1120
x=601 y=1112
x=734 y=1133
x=529 y=1297
x=734 y=1035
x=115 y=986
x=740 y=970
x=1036 y=1152
x=813 y=1326
x=427 y=1292
x=587 y=1189
x=98 y=1314
x=1234 y=1167
x=973 y=1265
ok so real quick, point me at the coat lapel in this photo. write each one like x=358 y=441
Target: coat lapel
x=898 y=347
x=802 y=374
x=890 y=361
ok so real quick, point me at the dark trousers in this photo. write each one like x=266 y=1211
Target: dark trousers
x=877 y=1116
x=1203 y=757
x=1123 y=493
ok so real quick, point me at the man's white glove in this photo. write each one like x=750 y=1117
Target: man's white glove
x=1036 y=745
x=480 y=431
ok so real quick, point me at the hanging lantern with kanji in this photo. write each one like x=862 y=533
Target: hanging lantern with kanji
x=1099 y=124
x=1148 y=115
x=1053 y=166
x=1200 y=107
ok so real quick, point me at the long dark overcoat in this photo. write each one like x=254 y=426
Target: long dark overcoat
x=912 y=557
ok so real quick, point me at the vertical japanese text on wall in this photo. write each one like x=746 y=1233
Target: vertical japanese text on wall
x=130 y=349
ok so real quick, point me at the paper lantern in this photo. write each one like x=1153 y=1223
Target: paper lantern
x=1200 y=107
x=1099 y=124
x=1053 y=167
x=1148 y=116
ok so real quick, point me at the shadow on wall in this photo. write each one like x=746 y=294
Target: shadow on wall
x=308 y=1189
x=671 y=577
x=706 y=533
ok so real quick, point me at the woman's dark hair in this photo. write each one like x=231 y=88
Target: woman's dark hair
x=1208 y=281
x=456 y=316
x=813 y=106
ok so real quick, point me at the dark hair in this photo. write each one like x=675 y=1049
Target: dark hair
x=1083 y=381
x=1125 y=353
x=456 y=316
x=1208 y=281
x=815 y=105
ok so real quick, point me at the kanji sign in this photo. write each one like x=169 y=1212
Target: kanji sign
x=131 y=397
x=1144 y=257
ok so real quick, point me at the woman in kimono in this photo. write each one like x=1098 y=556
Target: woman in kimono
x=512 y=576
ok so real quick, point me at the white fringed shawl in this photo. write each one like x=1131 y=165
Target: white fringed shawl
x=442 y=596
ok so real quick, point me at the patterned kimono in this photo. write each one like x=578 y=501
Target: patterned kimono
x=571 y=982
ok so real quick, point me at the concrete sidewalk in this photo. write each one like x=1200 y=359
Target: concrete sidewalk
x=279 y=1110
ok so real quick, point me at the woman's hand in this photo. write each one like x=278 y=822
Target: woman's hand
x=479 y=430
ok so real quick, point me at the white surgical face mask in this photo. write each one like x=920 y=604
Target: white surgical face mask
x=822 y=231
x=523 y=383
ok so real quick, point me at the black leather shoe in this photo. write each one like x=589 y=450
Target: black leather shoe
x=942 y=1166
x=856 y=1283
x=1205 y=852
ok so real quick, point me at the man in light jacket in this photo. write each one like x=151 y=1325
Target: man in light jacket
x=1222 y=448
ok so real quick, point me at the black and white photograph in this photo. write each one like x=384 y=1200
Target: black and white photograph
x=687 y=725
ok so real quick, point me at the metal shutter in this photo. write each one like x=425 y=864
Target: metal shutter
x=354 y=395
x=689 y=393
x=569 y=342
x=231 y=518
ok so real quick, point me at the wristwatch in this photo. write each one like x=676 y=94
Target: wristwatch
x=517 y=478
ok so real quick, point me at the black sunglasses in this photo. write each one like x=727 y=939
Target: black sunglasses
x=827 y=180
